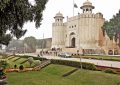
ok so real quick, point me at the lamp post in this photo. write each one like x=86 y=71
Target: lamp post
x=113 y=43
x=42 y=43
x=79 y=42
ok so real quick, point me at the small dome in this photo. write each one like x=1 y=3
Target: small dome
x=59 y=15
x=87 y=4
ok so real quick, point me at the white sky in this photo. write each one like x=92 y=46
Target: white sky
x=107 y=7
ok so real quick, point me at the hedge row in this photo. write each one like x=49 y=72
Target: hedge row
x=35 y=58
x=23 y=61
x=85 y=65
x=11 y=57
x=69 y=73
x=99 y=58
x=16 y=59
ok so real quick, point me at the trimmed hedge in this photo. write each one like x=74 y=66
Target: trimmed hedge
x=85 y=65
x=110 y=71
x=16 y=59
x=11 y=58
x=112 y=58
x=69 y=73
x=24 y=62
x=35 y=58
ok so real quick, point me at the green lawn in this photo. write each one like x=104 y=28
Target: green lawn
x=17 y=62
x=52 y=75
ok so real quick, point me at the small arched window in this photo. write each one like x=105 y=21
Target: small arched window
x=87 y=10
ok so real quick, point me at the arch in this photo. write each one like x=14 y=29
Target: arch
x=73 y=42
x=72 y=33
x=116 y=52
x=110 y=52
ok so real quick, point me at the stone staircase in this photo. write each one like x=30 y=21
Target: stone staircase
x=42 y=65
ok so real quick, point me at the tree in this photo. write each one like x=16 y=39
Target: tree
x=30 y=60
x=112 y=27
x=41 y=43
x=13 y=15
x=31 y=43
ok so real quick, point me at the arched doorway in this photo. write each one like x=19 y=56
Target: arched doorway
x=110 y=52
x=73 y=42
x=116 y=52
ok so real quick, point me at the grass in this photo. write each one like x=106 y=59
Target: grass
x=52 y=75
x=12 y=61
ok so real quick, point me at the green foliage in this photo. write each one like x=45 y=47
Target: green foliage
x=85 y=65
x=51 y=75
x=13 y=15
x=37 y=62
x=15 y=66
x=21 y=67
x=31 y=43
x=110 y=71
x=112 y=27
x=3 y=64
x=41 y=43
x=35 y=58
x=30 y=60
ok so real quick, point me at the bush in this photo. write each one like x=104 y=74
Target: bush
x=21 y=67
x=110 y=71
x=30 y=60
x=85 y=65
x=37 y=62
x=35 y=58
x=15 y=66
x=4 y=64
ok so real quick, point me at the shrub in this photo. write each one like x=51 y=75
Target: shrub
x=110 y=71
x=30 y=60
x=21 y=67
x=15 y=66
x=85 y=65
x=4 y=64
x=35 y=58
x=37 y=62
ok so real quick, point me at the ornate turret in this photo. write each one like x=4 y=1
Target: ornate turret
x=58 y=31
x=87 y=7
x=59 y=17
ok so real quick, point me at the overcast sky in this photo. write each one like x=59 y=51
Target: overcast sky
x=107 y=7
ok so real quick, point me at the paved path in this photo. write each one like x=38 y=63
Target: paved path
x=115 y=64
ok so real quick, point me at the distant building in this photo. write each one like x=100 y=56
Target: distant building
x=82 y=32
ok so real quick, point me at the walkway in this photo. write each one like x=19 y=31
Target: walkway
x=115 y=64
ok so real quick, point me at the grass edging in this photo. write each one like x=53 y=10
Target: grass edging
x=69 y=73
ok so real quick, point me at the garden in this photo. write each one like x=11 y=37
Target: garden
x=53 y=75
x=61 y=71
